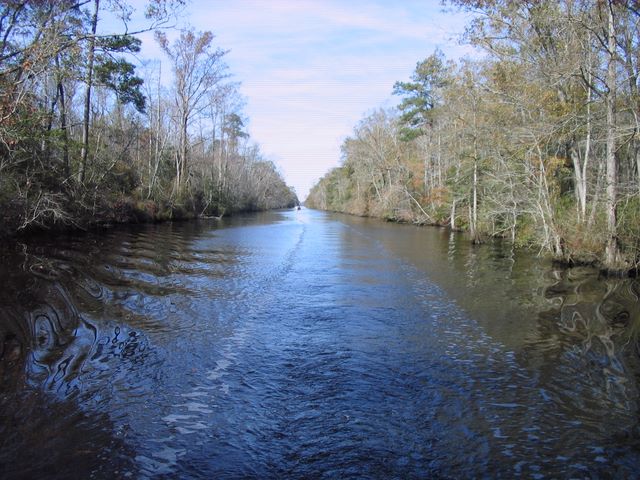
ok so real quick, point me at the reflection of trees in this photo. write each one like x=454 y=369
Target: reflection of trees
x=41 y=439
x=585 y=346
x=71 y=307
x=595 y=313
x=49 y=345
x=580 y=333
x=47 y=339
x=47 y=348
x=82 y=324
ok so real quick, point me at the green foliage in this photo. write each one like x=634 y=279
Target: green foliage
x=234 y=126
x=526 y=235
x=119 y=76
x=629 y=228
x=116 y=73
x=421 y=95
x=118 y=43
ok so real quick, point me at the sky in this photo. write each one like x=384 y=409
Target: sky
x=310 y=70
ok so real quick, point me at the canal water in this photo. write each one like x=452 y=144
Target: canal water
x=302 y=344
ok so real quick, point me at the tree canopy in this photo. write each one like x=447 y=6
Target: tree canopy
x=537 y=141
x=89 y=135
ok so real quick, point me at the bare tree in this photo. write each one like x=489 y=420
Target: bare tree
x=197 y=68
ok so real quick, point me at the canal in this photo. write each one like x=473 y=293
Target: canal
x=303 y=344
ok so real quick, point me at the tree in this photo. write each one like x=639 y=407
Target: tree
x=77 y=141
x=422 y=94
x=91 y=48
x=117 y=74
x=197 y=68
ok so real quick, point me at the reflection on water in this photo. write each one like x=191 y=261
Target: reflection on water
x=300 y=344
x=590 y=335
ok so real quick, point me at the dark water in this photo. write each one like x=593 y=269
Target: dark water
x=304 y=345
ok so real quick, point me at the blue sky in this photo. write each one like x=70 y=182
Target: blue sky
x=311 y=69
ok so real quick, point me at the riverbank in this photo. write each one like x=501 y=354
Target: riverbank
x=573 y=254
x=105 y=214
x=77 y=216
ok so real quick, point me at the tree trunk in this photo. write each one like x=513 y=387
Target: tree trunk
x=474 y=211
x=87 y=94
x=453 y=215
x=580 y=167
x=156 y=147
x=611 y=252
x=183 y=150
x=63 y=129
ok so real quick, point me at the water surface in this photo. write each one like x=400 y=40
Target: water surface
x=300 y=344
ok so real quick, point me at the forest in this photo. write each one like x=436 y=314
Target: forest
x=536 y=140
x=90 y=135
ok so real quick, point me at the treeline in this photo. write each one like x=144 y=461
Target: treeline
x=87 y=136
x=539 y=141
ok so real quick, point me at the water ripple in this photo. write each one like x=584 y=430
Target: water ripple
x=303 y=345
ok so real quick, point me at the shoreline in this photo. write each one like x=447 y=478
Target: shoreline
x=563 y=262
x=122 y=213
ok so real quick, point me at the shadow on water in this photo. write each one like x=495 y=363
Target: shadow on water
x=45 y=356
x=77 y=317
